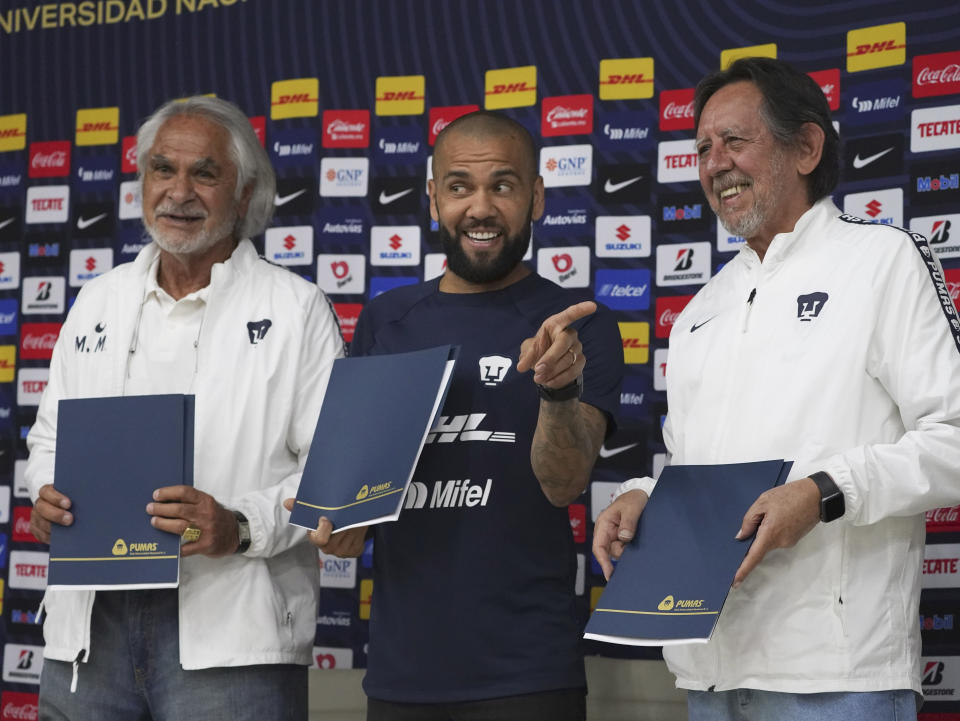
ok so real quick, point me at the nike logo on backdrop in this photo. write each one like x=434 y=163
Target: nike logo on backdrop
x=859 y=162
x=387 y=199
x=83 y=223
x=6 y=222
x=608 y=452
x=611 y=187
x=278 y=200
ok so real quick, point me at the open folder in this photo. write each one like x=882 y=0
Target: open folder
x=673 y=577
x=376 y=413
x=112 y=453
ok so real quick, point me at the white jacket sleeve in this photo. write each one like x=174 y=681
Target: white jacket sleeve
x=270 y=530
x=915 y=356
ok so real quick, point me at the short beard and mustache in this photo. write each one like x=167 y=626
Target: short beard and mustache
x=749 y=223
x=204 y=239
x=488 y=269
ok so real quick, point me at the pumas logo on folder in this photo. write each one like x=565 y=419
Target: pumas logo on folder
x=666 y=604
x=371 y=492
x=257 y=330
x=119 y=548
x=688 y=605
x=810 y=305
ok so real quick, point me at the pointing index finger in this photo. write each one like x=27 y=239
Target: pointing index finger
x=574 y=313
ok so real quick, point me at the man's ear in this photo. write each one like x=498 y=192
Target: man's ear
x=538 y=198
x=810 y=148
x=432 y=192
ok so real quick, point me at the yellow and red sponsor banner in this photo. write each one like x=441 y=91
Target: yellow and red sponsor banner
x=769 y=50
x=98 y=126
x=510 y=87
x=13 y=132
x=295 y=98
x=626 y=78
x=636 y=342
x=878 y=46
x=401 y=95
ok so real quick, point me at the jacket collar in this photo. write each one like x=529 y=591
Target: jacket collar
x=783 y=244
x=239 y=262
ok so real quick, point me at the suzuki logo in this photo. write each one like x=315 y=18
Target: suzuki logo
x=289 y=242
x=396 y=241
x=874 y=208
x=90 y=263
x=623 y=232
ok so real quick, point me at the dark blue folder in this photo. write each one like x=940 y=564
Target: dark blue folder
x=376 y=413
x=672 y=579
x=111 y=455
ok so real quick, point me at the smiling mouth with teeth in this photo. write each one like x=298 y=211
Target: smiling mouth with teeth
x=733 y=190
x=481 y=236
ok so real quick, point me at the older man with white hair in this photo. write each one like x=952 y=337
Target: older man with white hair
x=196 y=312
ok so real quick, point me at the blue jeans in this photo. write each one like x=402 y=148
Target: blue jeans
x=134 y=673
x=746 y=704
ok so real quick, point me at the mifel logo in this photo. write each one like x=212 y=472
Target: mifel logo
x=8 y=357
x=13 y=132
x=510 y=87
x=666 y=604
x=636 y=342
x=296 y=98
x=753 y=51
x=626 y=78
x=98 y=126
x=878 y=46
x=363 y=492
x=400 y=95
x=119 y=548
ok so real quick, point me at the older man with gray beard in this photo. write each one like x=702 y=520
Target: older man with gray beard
x=197 y=312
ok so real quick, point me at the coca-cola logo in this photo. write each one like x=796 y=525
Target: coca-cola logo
x=40 y=342
x=669 y=317
x=954 y=288
x=941 y=520
x=439 y=125
x=933 y=76
x=56 y=159
x=18 y=706
x=675 y=111
x=37 y=339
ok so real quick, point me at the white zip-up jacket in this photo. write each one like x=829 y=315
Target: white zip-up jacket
x=256 y=410
x=846 y=361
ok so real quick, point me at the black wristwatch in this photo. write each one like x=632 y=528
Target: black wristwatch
x=243 y=531
x=832 y=504
x=565 y=393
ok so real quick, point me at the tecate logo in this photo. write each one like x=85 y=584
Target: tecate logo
x=675 y=111
x=56 y=159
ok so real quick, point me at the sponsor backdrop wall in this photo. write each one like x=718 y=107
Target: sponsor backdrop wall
x=347 y=97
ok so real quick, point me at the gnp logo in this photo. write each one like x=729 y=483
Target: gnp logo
x=728 y=56
x=292 y=245
x=683 y=264
x=493 y=369
x=567 y=266
x=623 y=289
x=622 y=236
x=346 y=129
x=327 y=658
x=87 y=264
x=130 y=203
x=877 y=206
x=878 y=46
x=935 y=128
x=441 y=117
x=128 y=154
x=344 y=177
x=37 y=340
x=510 y=87
x=636 y=342
x=677 y=161
x=937 y=74
x=942 y=231
x=43 y=294
x=339 y=274
x=98 y=126
x=829 y=82
x=676 y=109
x=296 y=98
x=49 y=159
x=22 y=664
x=30 y=385
x=667 y=311
x=459 y=493
x=400 y=95
x=13 y=132
x=626 y=78
x=17 y=706
x=566 y=165
x=337 y=572
x=9 y=270
x=8 y=363
x=395 y=245
x=566 y=115
x=347 y=315
x=450 y=429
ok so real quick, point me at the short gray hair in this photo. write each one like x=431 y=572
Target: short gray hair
x=253 y=165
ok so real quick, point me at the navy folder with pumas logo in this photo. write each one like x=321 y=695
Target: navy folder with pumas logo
x=112 y=453
x=673 y=577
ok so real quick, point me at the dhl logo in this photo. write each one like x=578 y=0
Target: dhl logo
x=727 y=57
x=510 y=87
x=98 y=126
x=13 y=132
x=878 y=46
x=400 y=95
x=295 y=98
x=636 y=342
x=366 y=598
x=7 y=363
x=626 y=78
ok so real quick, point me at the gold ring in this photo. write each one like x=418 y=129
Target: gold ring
x=574 y=355
x=191 y=534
